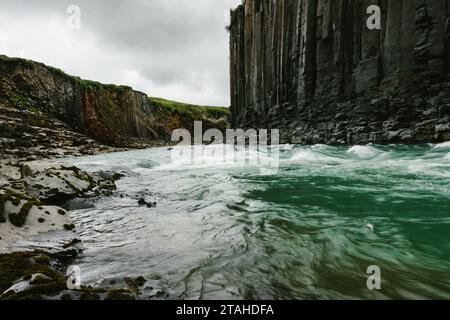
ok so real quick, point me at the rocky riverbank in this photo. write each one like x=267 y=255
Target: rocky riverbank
x=46 y=115
x=40 y=274
x=38 y=239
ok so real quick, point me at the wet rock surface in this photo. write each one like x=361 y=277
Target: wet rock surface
x=38 y=239
x=32 y=135
x=47 y=114
x=37 y=275
x=31 y=199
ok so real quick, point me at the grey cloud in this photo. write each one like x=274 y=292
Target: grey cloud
x=171 y=43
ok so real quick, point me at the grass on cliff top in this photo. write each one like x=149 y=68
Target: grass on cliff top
x=176 y=107
x=87 y=84
x=180 y=106
x=24 y=62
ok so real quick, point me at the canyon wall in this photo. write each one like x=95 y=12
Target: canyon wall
x=313 y=69
x=114 y=115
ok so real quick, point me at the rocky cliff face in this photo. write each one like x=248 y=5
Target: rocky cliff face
x=114 y=115
x=313 y=69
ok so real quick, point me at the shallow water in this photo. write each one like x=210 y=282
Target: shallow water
x=229 y=230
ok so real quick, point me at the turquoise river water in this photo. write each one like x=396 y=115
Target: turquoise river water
x=306 y=227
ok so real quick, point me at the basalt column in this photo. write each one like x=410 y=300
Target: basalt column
x=314 y=69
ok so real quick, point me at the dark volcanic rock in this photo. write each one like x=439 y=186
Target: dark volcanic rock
x=150 y=204
x=41 y=275
x=313 y=69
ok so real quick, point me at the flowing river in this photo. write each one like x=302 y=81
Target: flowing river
x=306 y=227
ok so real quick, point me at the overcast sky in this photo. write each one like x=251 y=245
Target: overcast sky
x=176 y=49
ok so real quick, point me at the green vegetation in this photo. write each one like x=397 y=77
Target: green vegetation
x=89 y=296
x=103 y=115
x=185 y=107
x=2 y=209
x=16 y=202
x=85 y=84
x=94 y=85
x=45 y=273
x=24 y=62
x=118 y=294
x=19 y=101
x=175 y=115
x=135 y=283
x=17 y=219
x=22 y=265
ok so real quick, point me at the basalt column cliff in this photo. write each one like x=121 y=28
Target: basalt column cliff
x=313 y=69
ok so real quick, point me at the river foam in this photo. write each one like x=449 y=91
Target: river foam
x=297 y=229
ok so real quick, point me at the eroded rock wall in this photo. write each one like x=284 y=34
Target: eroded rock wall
x=313 y=69
x=110 y=114
x=107 y=113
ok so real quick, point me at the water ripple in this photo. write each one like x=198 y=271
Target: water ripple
x=223 y=230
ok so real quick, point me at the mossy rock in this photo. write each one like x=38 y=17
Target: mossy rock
x=43 y=259
x=182 y=115
x=66 y=297
x=22 y=265
x=38 y=292
x=89 y=296
x=39 y=266
x=117 y=295
x=135 y=283
x=69 y=227
x=140 y=281
x=19 y=101
x=19 y=219
x=39 y=280
x=2 y=210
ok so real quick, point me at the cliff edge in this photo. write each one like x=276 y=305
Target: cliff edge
x=36 y=99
